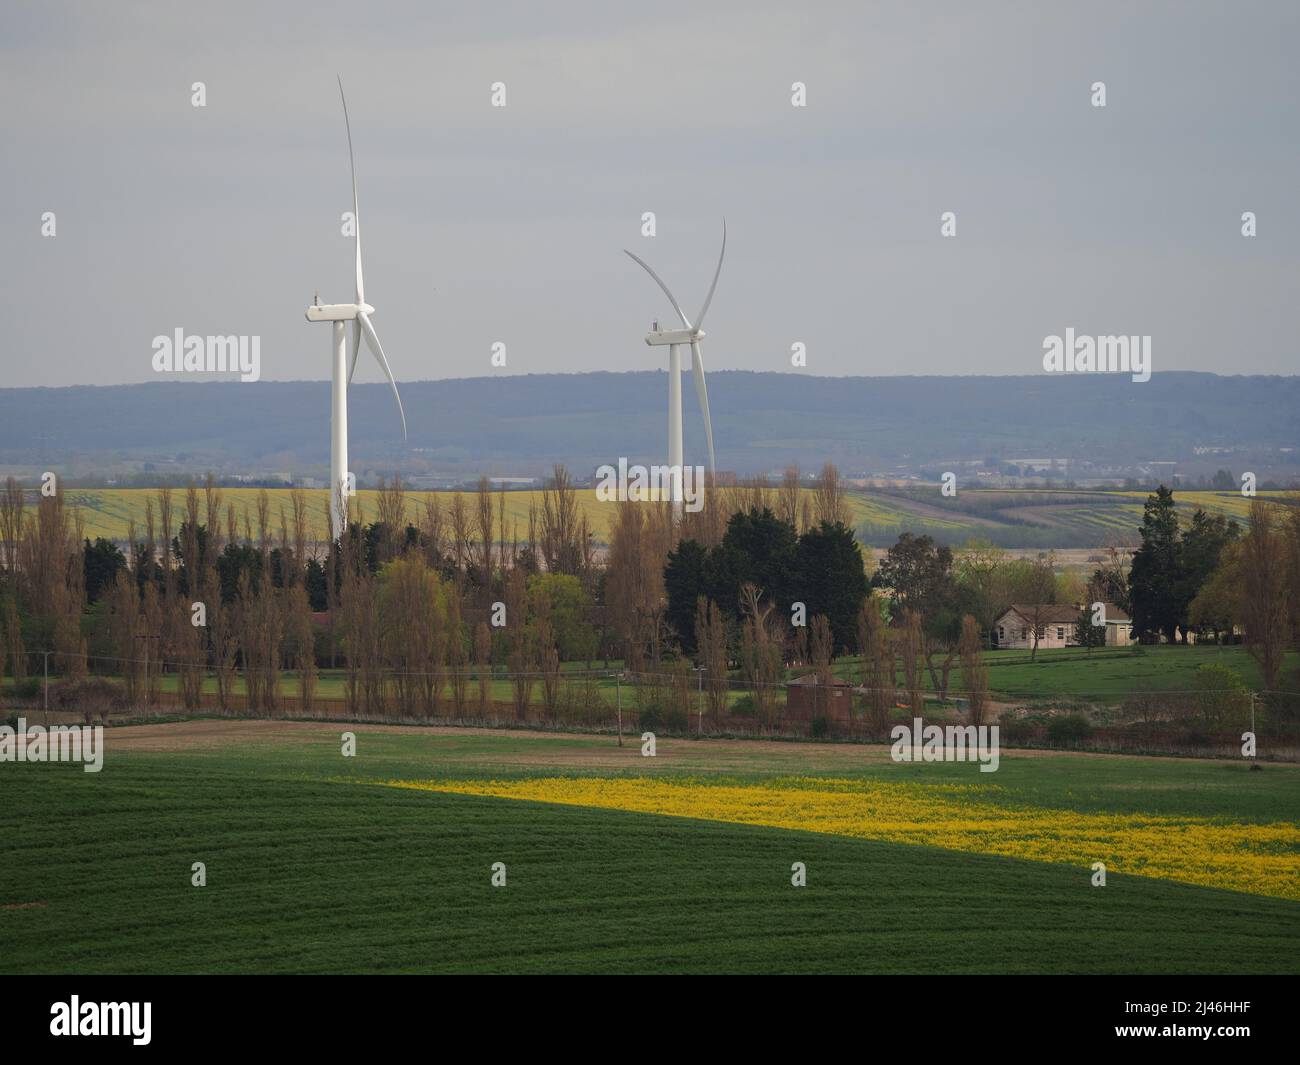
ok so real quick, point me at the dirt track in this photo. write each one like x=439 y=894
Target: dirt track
x=557 y=749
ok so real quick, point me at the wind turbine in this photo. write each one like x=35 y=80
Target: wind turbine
x=358 y=314
x=674 y=338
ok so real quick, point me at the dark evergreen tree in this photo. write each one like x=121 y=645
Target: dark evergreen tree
x=1155 y=578
x=1086 y=634
x=234 y=560
x=317 y=585
x=187 y=565
x=757 y=548
x=101 y=562
x=685 y=580
x=832 y=581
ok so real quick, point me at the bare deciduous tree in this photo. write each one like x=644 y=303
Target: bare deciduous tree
x=51 y=578
x=641 y=536
x=711 y=642
x=460 y=533
x=911 y=647
x=877 y=664
x=457 y=654
x=303 y=634
x=11 y=524
x=124 y=624
x=830 y=500
x=390 y=505
x=1038 y=591
x=1264 y=591
x=562 y=529
x=483 y=528
x=760 y=653
x=548 y=655
x=433 y=532
x=411 y=621
x=820 y=647
x=522 y=657
x=974 y=673
x=483 y=665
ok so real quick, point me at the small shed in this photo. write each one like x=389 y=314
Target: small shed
x=804 y=695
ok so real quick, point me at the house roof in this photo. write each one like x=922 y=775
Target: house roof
x=1044 y=614
x=1061 y=613
x=1114 y=615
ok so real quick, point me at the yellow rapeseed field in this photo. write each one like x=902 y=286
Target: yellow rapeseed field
x=1255 y=858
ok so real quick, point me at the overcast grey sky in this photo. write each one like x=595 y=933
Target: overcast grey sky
x=483 y=224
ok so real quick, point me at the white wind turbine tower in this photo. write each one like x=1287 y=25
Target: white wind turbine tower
x=674 y=338
x=358 y=314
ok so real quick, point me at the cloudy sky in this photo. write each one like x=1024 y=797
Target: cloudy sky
x=486 y=224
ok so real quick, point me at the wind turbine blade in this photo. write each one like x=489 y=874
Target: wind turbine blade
x=659 y=281
x=699 y=322
x=702 y=394
x=356 y=210
x=373 y=342
x=356 y=347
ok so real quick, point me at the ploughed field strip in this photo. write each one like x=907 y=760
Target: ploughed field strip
x=1262 y=859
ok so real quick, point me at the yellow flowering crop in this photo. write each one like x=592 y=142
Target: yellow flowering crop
x=1255 y=858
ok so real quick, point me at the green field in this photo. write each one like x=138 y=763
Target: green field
x=1109 y=674
x=1106 y=676
x=314 y=867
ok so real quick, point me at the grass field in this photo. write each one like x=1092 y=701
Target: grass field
x=1108 y=675
x=616 y=862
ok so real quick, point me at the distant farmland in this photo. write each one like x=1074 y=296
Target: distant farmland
x=108 y=511
x=1022 y=518
x=1035 y=517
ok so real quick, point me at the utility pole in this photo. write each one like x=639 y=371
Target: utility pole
x=47 y=687
x=618 y=703
x=699 y=672
x=146 y=637
x=1254 y=761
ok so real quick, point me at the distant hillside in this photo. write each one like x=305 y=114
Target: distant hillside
x=522 y=424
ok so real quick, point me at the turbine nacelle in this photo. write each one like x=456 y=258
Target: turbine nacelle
x=660 y=337
x=337 y=312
